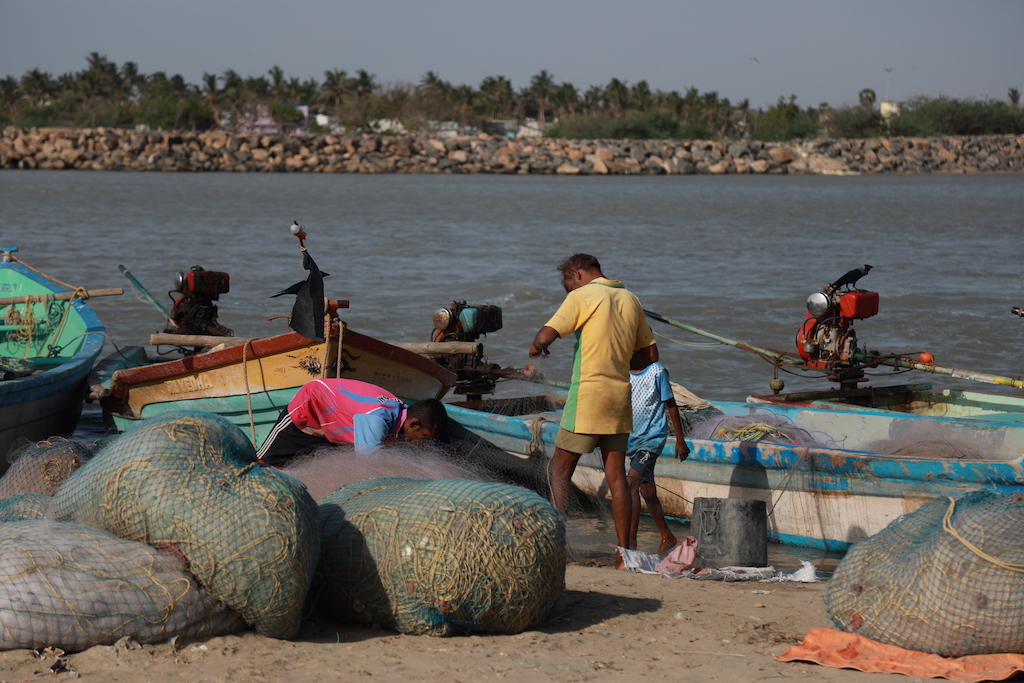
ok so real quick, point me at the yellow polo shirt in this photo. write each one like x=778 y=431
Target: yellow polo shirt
x=609 y=324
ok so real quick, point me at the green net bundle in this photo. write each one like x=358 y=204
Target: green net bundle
x=188 y=480
x=439 y=557
x=946 y=579
x=42 y=467
x=72 y=587
x=25 y=506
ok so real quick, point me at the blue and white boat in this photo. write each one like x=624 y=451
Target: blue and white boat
x=830 y=478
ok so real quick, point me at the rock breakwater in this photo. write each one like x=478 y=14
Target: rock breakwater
x=129 y=150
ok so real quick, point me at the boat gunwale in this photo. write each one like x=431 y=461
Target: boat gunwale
x=261 y=347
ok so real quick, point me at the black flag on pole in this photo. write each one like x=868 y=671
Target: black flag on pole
x=308 y=312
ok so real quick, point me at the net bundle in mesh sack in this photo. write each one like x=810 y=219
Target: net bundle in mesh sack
x=439 y=557
x=43 y=466
x=25 y=506
x=72 y=587
x=189 y=480
x=946 y=579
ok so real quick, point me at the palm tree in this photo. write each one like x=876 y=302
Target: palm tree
x=641 y=96
x=212 y=96
x=335 y=87
x=365 y=84
x=10 y=93
x=593 y=99
x=278 y=88
x=617 y=94
x=498 y=95
x=867 y=98
x=542 y=86
x=38 y=87
x=566 y=99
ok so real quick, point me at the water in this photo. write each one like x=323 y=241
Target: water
x=737 y=255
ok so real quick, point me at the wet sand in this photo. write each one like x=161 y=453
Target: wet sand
x=607 y=625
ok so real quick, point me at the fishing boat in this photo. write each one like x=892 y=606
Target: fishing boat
x=830 y=474
x=251 y=380
x=829 y=478
x=827 y=346
x=49 y=341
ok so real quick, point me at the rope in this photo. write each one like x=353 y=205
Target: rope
x=248 y=390
x=79 y=293
x=39 y=272
x=947 y=526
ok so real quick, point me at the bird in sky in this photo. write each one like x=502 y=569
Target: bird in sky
x=850 y=278
x=756 y=59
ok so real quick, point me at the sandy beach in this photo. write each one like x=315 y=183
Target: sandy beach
x=607 y=625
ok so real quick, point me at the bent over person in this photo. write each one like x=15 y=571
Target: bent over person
x=611 y=332
x=347 y=411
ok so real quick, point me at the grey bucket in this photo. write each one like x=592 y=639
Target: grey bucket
x=731 y=532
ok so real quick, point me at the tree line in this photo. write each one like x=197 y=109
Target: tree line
x=106 y=94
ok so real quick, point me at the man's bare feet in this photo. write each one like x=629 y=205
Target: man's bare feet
x=667 y=543
x=619 y=564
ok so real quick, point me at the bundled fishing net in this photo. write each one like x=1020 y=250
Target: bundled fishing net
x=439 y=557
x=946 y=579
x=189 y=481
x=761 y=426
x=25 y=506
x=12 y=368
x=42 y=467
x=72 y=587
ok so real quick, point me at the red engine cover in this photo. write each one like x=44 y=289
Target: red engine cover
x=858 y=305
x=208 y=283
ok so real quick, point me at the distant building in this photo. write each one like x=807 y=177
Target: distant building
x=889 y=109
x=532 y=128
x=260 y=122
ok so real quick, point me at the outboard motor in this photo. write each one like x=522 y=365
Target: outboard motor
x=194 y=311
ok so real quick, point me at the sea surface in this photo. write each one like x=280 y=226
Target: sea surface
x=736 y=255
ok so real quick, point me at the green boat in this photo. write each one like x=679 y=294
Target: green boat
x=49 y=341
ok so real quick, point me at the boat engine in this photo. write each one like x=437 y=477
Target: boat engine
x=462 y=322
x=827 y=339
x=194 y=311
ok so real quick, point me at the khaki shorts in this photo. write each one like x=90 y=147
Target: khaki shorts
x=587 y=443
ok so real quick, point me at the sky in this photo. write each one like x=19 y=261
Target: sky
x=819 y=50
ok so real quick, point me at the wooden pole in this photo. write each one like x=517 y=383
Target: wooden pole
x=61 y=296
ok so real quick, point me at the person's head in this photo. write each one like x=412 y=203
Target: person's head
x=578 y=269
x=426 y=419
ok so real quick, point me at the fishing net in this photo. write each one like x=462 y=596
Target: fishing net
x=946 y=579
x=42 y=467
x=760 y=426
x=189 y=481
x=13 y=368
x=25 y=506
x=72 y=587
x=439 y=557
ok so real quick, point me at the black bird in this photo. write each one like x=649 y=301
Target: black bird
x=850 y=279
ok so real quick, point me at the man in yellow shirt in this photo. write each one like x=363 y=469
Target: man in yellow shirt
x=610 y=328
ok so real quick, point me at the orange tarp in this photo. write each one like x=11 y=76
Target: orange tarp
x=843 y=650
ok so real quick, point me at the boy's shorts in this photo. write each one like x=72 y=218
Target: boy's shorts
x=642 y=462
x=588 y=443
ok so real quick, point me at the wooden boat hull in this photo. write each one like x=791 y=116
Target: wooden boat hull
x=48 y=403
x=919 y=399
x=262 y=376
x=819 y=497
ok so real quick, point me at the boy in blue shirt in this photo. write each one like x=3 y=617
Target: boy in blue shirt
x=653 y=401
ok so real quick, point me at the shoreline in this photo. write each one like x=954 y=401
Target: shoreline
x=107 y=149
x=607 y=624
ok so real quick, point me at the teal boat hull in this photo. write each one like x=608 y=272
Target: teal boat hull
x=819 y=496
x=49 y=402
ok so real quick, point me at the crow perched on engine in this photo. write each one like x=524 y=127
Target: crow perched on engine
x=850 y=279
